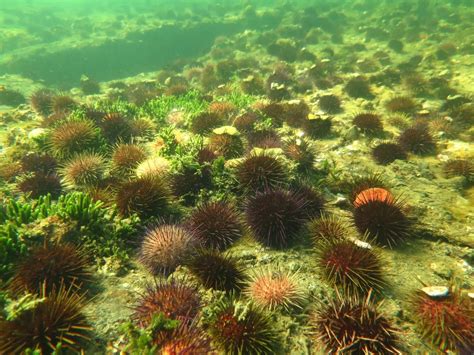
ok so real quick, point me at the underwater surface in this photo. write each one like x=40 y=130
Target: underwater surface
x=236 y=177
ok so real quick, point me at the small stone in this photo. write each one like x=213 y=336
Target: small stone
x=436 y=291
x=362 y=244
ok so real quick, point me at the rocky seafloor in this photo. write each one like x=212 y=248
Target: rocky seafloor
x=314 y=163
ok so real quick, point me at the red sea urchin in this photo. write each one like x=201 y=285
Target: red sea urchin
x=351 y=326
x=448 y=322
x=40 y=184
x=275 y=217
x=57 y=319
x=166 y=246
x=216 y=224
x=187 y=338
x=381 y=216
x=242 y=330
x=173 y=299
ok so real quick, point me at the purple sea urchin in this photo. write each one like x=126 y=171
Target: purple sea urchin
x=275 y=217
x=147 y=196
x=258 y=172
x=57 y=319
x=386 y=153
x=50 y=267
x=215 y=224
x=217 y=271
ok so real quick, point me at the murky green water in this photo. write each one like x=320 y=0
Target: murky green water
x=236 y=177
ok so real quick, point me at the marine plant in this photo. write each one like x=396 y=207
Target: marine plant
x=216 y=270
x=216 y=224
x=166 y=246
x=355 y=325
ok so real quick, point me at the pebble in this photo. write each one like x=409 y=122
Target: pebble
x=436 y=291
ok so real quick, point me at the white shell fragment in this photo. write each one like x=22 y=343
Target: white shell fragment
x=436 y=291
x=362 y=244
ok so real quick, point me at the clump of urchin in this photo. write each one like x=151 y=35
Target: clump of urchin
x=51 y=266
x=83 y=170
x=148 y=196
x=260 y=171
x=349 y=325
x=275 y=289
x=216 y=224
x=217 y=271
x=166 y=246
x=58 y=318
x=174 y=299
x=238 y=328
x=354 y=267
x=275 y=217
x=73 y=137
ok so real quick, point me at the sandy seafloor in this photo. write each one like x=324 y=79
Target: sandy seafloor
x=440 y=248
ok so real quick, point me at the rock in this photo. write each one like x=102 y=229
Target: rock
x=436 y=291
